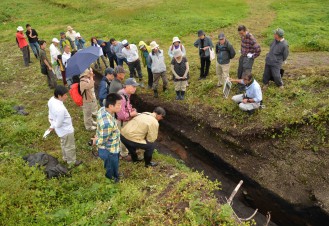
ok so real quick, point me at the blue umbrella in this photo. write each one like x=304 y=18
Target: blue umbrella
x=81 y=60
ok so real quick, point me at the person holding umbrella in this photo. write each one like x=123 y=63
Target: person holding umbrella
x=89 y=99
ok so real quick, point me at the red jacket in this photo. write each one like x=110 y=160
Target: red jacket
x=21 y=40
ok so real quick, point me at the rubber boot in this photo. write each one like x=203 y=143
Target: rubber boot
x=182 y=94
x=156 y=95
x=178 y=95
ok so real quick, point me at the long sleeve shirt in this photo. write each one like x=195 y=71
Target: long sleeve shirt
x=59 y=117
x=131 y=54
x=279 y=51
x=87 y=86
x=250 y=45
x=144 y=127
x=157 y=61
x=108 y=133
x=54 y=52
x=65 y=58
x=21 y=40
x=254 y=91
x=126 y=107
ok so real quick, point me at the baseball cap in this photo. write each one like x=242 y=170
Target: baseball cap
x=131 y=82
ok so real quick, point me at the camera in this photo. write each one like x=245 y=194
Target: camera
x=90 y=142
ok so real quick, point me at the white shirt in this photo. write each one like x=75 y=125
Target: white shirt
x=54 y=52
x=65 y=57
x=71 y=35
x=131 y=54
x=59 y=117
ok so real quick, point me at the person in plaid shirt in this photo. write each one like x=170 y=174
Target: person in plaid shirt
x=108 y=136
x=250 y=50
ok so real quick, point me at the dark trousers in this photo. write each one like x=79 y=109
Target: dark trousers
x=150 y=77
x=272 y=73
x=26 y=55
x=64 y=77
x=136 y=65
x=245 y=64
x=120 y=61
x=205 y=65
x=133 y=146
x=51 y=79
x=112 y=60
x=111 y=163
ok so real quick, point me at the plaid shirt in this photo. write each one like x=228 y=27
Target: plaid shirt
x=249 y=45
x=108 y=134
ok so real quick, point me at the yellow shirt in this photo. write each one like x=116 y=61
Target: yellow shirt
x=144 y=127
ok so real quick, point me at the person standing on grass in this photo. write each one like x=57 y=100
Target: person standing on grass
x=117 y=83
x=130 y=51
x=127 y=111
x=141 y=133
x=279 y=51
x=32 y=36
x=106 y=47
x=23 y=45
x=54 y=53
x=225 y=52
x=79 y=42
x=250 y=50
x=176 y=44
x=61 y=121
x=117 y=48
x=104 y=85
x=46 y=67
x=89 y=106
x=180 y=70
x=66 y=41
x=64 y=58
x=70 y=33
x=204 y=44
x=108 y=136
x=252 y=99
x=97 y=43
x=145 y=52
x=158 y=66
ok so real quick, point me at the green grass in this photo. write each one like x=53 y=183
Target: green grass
x=305 y=23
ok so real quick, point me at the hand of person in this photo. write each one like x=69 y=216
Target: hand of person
x=50 y=68
x=51 y=129
x=184 y=77
x=245 y=101
x=94 y=140
x=250 y=55
x=133 y=113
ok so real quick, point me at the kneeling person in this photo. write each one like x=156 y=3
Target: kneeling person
x=141 y=132
x=252 y=98
x=108 y=136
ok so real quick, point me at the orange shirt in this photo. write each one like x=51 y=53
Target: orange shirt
x=21 y=40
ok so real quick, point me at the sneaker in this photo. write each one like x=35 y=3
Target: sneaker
x=94 y=123
x=92 y=128
x=151 y=164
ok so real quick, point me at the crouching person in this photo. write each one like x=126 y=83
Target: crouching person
x=108 y=136
x=141 y=132
x=61 y=122
x=251 y=100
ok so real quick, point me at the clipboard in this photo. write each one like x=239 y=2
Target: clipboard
x=227 y=88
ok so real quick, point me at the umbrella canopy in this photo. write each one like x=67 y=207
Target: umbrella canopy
x=80 y=61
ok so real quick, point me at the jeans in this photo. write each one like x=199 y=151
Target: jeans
x=120 y=61
x=136 y=65
x=111 y=163
x=133 y=146
x=35 y=48
x=205 y=65
x=112 y=60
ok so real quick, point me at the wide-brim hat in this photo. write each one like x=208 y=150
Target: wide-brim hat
x=175 y=39
x=154 y=45
x=69 y=28
x=20 y=28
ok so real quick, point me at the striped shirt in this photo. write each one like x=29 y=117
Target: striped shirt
x=249 y=45
x=108 y=134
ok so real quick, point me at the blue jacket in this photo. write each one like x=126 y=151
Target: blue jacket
x=104 y=87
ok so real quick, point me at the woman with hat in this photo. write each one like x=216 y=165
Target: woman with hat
x=176 y=44
x=180 y=70
x=204 y=44
x=89 y=99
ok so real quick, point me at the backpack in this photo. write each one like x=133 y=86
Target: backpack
x=75 y=92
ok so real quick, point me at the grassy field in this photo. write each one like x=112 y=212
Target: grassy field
x=87 y=197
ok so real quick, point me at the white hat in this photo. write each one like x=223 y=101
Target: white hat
x=175 y=39
x=125 y=43
x=154 y=45
x=177 y=53
x=20 y=28
x=55 y=40
x=77 y=35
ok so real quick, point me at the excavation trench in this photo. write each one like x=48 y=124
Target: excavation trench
x=199 y=149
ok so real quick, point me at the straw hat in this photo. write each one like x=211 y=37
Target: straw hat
x=69 y=28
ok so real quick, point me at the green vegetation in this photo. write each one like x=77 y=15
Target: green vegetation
x=305 y=23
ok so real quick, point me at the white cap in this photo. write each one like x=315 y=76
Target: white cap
x=77 y=35
x=20 y=28
x=125 y=43
x=175 y=39
x=55 y=40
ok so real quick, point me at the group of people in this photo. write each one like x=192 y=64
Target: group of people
x=120 y=128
